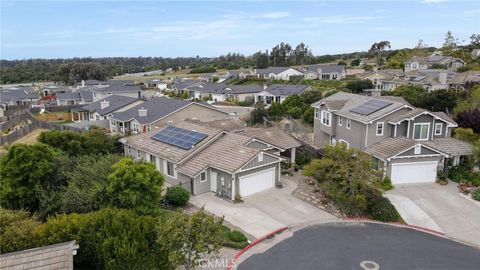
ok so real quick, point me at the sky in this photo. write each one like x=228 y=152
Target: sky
x=65 y=29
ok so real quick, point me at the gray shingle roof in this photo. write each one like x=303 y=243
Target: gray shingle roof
x=115 y=88
x=327 y=68
x=157 y=108
x=181 y=84
x=115 y=102
x=17 y=94
x=273 y=136
x=451 y=146
x=286 y=89
x=418 y=111
x=69 y=95
x=274 y=70
x=242 y=89
x=208 y=87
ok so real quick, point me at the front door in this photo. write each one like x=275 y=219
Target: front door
x=213 y=181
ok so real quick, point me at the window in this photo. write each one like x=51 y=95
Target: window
x=260 y=157
x=418 y=149
x=379 y=129
x=344 y=143
x=203 y=177
x=438 y=128
x=420 y=131
x=340 y=120
x=129 y=150
x=153 y=159
x=326 y=117
x=349 y=123
x=138 y=153
x=377 y=164
x=170 y=169
x=316 y=113
x=135 y=128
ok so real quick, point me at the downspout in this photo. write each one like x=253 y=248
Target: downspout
x=233 y=187
x=366 y=136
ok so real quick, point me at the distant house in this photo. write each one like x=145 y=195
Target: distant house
x=277 y=73
x=221 y=92
x=420 y=63
x=54 y=89
x=116 y=89
x=160 y=111
x=239 y=74
x=155 y=83
x=208 y=89
x=465 y=80
x=18 y=96
x=325 y=72
x=102 y=109
x=279 y=92
x=383 y=74
x=430 y=79
x=242 y=92
x=181 y=85
x=75 y=97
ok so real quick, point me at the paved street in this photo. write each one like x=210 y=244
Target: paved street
x=264 y=212
x=377 y=246
x=439 y=208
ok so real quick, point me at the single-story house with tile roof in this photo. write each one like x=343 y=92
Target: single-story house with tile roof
x=325 y=72
x=219 y=162
x=160 y=111
x=181 y=85
x=222 y=92
x=18 y=96
x=155 y=83
x=277 y=73
x=116 y=89
x=103 y=109
x=279 y=92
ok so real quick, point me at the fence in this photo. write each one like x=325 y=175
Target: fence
x=14 y=118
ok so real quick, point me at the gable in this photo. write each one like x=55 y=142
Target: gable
x=257 y=145
x=255 y=162
x=424 y=151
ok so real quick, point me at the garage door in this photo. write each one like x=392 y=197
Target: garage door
x=257 y=182
x=418 y=172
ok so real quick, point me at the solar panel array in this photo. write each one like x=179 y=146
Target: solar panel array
x=370 y=107
x=179 y=137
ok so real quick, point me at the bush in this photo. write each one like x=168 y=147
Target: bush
x=237 y=236
x=458 y=174
x=17 y=230
x=177 y=196
x=386 y=183
x=476 y=194
x=303 y=158
x=227 y=241
x=381 y=209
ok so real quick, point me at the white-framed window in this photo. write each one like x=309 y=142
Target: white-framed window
x=349 y=123
x=129 y=150
x=326 y=118
x=417 y=150
x=203 y=177
x=438 y=128
x=344 y=142
x=170 y=169
x=420 y=131
x=340 y=120
x=379 y=131
x=260 y=157
x=316 y=113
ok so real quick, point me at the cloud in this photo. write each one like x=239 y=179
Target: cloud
x=274 y=15
x=341 y=19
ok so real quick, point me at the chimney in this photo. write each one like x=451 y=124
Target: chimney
x=142 y=112
x=442 y=77
x=83 y=83
x=265 y=86
x=104 y=104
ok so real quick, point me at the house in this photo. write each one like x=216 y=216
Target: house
x=220 y=92
x=75 y=97
x=203 y=159
x=432 y=62
x=465 y=80
x=383 y=74
x=84 y=83
x=475 y=53
x=160 y=111
x=102 y=109
x=277 y=73
x=116 y=89
x=242 y=92
x=279 y=92
x=430 y=79
x=325 y=72
x=205 y=90
x=155 y=83
x=408 y=144
x=181 y=85
x=54 y=89
x=18 y=96
x=239 y=74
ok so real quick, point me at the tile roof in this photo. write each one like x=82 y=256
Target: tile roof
x=68 y=95
x=274 y=70
x=286 y=89
x=418 y=111
x=115 y=102
x=327 y=68
x=230 y=124
x=273 y=136
x=451 y=146
x=144 y=142
x=390 y=147
x=117 y=88
x=157 y=108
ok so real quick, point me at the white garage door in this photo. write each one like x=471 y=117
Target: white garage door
x=257 y=182
x=418 y=172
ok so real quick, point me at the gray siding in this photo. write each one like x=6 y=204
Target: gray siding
x=387 y=128
x=257 y=145
x=402 y=129
x=256 y=170
x=426 y=118
x=255 y=163
x=225 y=189
x=424 y=151
x=355 y=136
x=202 y=187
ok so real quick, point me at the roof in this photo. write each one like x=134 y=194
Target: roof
x=117 y=88
x=450 y=146
x=115 y=102
x=242 y=89
x=68 y=95
x=274 y=70
x=466 y=77
x=144 y=142
x=273 y=136
x=86 y=95
x=433 y=59
x=353 y=100
x=334 y=105
x=327 y=68
x=285 y=89
x=215 y=155
x=182 y=84
x=157 y=108
x=418 y=111
x=208 y=87
x=230 y=124
x=390 y=147
x=152 y=81
x=17 y=94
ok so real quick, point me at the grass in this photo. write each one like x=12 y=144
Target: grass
x=30 y=138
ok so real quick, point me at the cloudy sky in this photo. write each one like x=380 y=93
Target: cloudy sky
x=51 y=29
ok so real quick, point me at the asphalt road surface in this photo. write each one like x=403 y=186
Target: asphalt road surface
x=364 y=246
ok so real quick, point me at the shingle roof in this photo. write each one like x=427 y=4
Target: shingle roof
x=117 y=88
x=273 y=136
x=451 y=146
x=390 y=147
x=286 y=89
x=208 y=87
x=230 y=124
x=17 y=94
x=144 y=142
x=183 y=84
x=418 y=111
x=69 y=95
x=216 y=155
x=327 y=68
x=466 y=77
x=115 y=102
x=242 y=89
x=157 y=108
x=86 y=95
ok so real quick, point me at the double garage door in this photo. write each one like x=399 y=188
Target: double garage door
x=253 y=183
x=417 y=172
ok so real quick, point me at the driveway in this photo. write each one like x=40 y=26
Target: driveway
x=439 y=208
x=265 y=211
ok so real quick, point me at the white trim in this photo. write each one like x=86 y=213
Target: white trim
x=423 y=113
x=417 y=149
x=349 y=123
x=206 y=178
x=340 y=120
x=256 y=167
x=324 y=114
x=435 y=129
x=345 y=142
x=383 y=127
x=428 y=131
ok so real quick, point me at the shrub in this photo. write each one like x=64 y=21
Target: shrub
x=17 y=230
x=237 y=236
x=381 y=209
x=303 y=158
x=386 y=183
x=476 y=194
x=177 y=196
x=458 y=174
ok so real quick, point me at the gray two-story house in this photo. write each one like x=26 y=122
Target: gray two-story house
x=409 y=144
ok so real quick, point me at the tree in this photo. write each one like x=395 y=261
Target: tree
x=308 y=115
x=342 y=63
x=260 y=59
x=276 y=110
x=25 y=171
x=469 y=119
x=357 y=86
x=75 y=72
x=398 y=58
x=450 y=41
x=136 y=186
x=280 y=55
x=475 y=41
x=415 y=95
x=355 y=62
x=190 y=239
x=378 y=47
x=471 y=101
x=440 y=100
x=301 y=54
x=311 y=96
x=17 y=230
x=257 y=115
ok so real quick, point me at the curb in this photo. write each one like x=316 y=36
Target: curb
x=414 y=227
x=254 y=243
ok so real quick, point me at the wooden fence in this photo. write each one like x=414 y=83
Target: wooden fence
x=20 y=132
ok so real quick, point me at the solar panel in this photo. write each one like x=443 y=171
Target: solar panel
x=370 y=107
x=179 y=137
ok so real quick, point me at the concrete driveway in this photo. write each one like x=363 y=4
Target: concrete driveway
x=265 y=211
x=440 y=208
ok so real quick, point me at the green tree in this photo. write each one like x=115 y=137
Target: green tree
x=415 y=95
x=190 y=239
x=308 y=115
x=301 y=54
x=311 y=96
x=17 y=230
x=355 y=62
x=470 y=101
x=276 y=110
x=440 y=100
x=134 y=185
x=377 y=48
x=24 y=171
x=295 y=112
x=357 y=86
x=257 y=115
